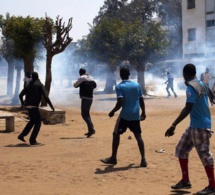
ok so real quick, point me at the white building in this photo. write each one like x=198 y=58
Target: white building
x=198 y=24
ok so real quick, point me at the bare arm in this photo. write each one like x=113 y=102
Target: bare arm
x=184 y=113
x=22 y=93
x=117 y=107
x=142 y=106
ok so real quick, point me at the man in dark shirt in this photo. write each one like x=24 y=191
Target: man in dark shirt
x=33 y=92
x=86 y=85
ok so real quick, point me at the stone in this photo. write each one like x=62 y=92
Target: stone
x=50 y=117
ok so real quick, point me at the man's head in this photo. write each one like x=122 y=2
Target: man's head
x=189 y=72
x=82 y=71
x=34 y=76
x=167 y=73
x=124 y=73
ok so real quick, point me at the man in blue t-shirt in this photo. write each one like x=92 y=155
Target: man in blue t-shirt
x=197 y=134
x=169 y=82
x=130 y=99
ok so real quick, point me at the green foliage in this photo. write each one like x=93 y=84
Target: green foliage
x=25 y=32
x=114 y=40
x=104 y=39
x=144 y=43
x=6 y=49
x=110 y=9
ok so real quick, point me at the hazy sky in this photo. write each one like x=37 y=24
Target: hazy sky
x=82 y=11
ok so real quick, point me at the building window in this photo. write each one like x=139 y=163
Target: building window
x=210 y=37
x=210 y=5
x=192 y=34
x=210 y=23
x=191 y=4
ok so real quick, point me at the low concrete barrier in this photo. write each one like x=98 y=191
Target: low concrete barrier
x=50 y=117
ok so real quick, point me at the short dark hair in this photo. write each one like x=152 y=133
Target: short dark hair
x=124 y=71
x=189 y=70
x=34 y=75
x=82 y=71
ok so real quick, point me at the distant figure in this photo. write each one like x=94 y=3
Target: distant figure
x=198 y=133
x=205 y=77
x=169 y=82
x=33 y=92
x=130 y=99
x=86 y=84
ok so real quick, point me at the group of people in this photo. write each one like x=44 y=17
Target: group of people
x=130 y=100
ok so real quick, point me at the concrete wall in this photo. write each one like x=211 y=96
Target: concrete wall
x=194 y=18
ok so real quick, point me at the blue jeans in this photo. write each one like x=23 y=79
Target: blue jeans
x=171 y=87
x=85 y=113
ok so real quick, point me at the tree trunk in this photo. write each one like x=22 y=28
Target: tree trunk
x=10 y=75
x=141 y=80
x=15 y=99
x=28 y=63
x=110 y=79
x=48 y=77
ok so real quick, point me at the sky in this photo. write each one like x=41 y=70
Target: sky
x=82 y=11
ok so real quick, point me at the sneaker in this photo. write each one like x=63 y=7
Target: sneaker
x=182 y=185
x=208 y=190
x=143 y=163
x=109 y=160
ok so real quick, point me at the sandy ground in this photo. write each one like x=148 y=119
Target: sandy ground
x=69 y=163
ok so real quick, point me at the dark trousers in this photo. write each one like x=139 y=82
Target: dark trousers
x=85 y=113
x=35 y=121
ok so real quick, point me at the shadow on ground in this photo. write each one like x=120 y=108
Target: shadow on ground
x=111 y=168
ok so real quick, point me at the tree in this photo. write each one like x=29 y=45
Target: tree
x=170 y=12
x=109 y=10
x=62 y=40
x=103 y=44
x=25 y=33
x=18 y=67
x=8 y=54
x=144 y=43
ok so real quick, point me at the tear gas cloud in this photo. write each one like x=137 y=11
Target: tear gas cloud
x=65 y=72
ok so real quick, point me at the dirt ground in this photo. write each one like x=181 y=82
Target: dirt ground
x=69 y=163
